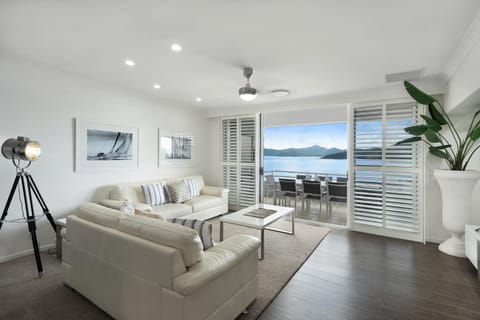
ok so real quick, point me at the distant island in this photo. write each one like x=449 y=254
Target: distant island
x=312 y=151
x=339 y=155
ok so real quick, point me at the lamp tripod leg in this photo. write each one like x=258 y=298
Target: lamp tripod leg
x=32 y=227
x=36 y=192
x=9 y=201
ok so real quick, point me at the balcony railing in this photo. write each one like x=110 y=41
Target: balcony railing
x=308 y=175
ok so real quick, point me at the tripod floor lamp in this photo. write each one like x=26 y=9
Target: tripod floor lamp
x=23 y=151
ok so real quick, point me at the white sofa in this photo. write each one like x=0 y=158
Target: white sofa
x=213 y=201
x=139 y=268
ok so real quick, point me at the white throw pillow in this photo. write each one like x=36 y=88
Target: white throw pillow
x=154 y=194
x=192 y=187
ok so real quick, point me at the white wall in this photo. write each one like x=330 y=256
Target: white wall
x=41 y=103
x=385 y=92
x=213 y=175
x=462 y=96
x=309 y=116
x=462 y=90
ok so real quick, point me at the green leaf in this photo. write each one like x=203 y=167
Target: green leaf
x=417 y=94
x=431 y=136
x=438 y=153
x=475 y=134
x=434 y=125
x=436 y=115
x=441 y=147
x=408 y=140
x=416 y=130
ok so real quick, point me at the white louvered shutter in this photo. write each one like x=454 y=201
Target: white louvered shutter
x=240 y=160
x=387 y=187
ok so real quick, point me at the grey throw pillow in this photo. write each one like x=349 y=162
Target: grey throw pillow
x=203 y=228
x=178 y=191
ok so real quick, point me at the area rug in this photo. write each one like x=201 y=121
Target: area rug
x=23 y=296
x=284 y=255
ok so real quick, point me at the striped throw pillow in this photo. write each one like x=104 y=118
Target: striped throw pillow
x=177 y=191
x=154 y=194
x=192 y=187
x=203 y=228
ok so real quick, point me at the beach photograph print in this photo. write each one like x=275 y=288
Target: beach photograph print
x=177 y=147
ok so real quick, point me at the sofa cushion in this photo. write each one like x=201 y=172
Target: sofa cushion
x=203 y=228
x=119 y=192
x=177 y=191
x=172 y=210
x=154 y=194
x=172 y=235
x=204 y=202
x=100 y=215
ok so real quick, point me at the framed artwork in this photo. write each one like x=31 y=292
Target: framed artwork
x=100 y=146
x=176 y=149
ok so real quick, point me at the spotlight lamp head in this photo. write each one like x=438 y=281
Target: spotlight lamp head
x=21 y=148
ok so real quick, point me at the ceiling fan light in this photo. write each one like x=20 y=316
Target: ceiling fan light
x=247 y=93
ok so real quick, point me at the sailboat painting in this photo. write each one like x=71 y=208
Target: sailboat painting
x=109 y=145
x=101 y=146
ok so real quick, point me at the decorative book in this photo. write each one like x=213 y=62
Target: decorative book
x=260 y=213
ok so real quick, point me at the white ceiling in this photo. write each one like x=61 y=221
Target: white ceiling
x=312 y=48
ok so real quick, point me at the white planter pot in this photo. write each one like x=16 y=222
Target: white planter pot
x=456 y=187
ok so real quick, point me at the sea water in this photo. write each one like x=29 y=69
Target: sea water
x=306 y=164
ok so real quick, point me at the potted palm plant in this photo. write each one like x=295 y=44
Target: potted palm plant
x=456 y=149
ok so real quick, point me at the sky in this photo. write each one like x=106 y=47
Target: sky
x=331 y=135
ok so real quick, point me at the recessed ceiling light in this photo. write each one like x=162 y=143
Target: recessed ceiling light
x=156 y=86
x=280 y=93
x=198 y=99
x=176 y=47
x=130 y=63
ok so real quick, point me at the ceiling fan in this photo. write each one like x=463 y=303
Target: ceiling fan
x=248 y=93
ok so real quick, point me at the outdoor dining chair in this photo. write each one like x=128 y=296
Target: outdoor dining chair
x=322 y=178
x=271 y=187
x=342 y=180
x=288 y=190
x=336 y=192
x=312 y=190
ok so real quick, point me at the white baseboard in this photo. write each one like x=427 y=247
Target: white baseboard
x=25 y=253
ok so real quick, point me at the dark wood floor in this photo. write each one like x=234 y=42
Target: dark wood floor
x=358 y=276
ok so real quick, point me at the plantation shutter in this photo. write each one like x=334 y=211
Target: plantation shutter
x=240 y=160
x=387 y=188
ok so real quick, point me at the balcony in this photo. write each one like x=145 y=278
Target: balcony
x=328 y=209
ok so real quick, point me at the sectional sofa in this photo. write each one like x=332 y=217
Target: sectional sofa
x=139 y=268
x=211 y=202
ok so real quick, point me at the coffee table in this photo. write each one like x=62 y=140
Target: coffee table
x=239 y=218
